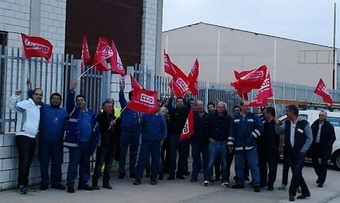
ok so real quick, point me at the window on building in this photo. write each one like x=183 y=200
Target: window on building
x=3 y=44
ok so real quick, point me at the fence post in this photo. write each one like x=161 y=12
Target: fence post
x=74 y=73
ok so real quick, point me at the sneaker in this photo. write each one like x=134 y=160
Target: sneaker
x=225 y=184
x=95 y=187
x=22 y=189
x=107 y=186
x=153 y=182
x=137 y=182
x=70 y=189
x=206 y=183
x=31 y=188
x=180 y=177
x=257 y=188
x=58 y=187
x=43 y=187
x=84 y=187
x=282 y=187
x=193 y=180
x=237 y=186
x=320 y=185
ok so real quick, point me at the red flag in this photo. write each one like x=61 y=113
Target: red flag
x=188 y=128
x=179 y=85
x=116 y=62
x=135 y=85
x=103 y=53
x=265 y=92
x=322 y=91
x=249 y=79
x=144 y=101
x=168 y=65
x=192 y=78
x=85 y=54
x=36 y=47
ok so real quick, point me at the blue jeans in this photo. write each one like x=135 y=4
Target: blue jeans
x=174 y=147
x=79 y=156
x=252 y=158
x=50 y=150
x=297 y=161
x=128 y=138
x=217 y=148
x=199 y=153
x=149 y=148
x=105 y=155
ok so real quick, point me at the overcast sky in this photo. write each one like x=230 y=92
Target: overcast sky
x=305 y=20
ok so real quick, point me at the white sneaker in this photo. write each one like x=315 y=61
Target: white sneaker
x=206 y=183
x=225 y=184
x=282 y=187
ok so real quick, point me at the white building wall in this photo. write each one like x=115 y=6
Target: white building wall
x=222 y=50
x=48 y=21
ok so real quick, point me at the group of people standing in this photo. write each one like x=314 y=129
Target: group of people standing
x=218 y=138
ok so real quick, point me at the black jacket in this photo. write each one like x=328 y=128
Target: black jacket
x=199 y=127
x=327 y=138
x=269 y=141
x=108 y=135
x=217 y=127
x=178 y=116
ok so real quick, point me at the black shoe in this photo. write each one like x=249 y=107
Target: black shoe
x=237 y=186
x=43 y=187
x=95 y=187
x=137 y=182
x=147 y=175
x=180 y=177
x=58 y=187
x=84 y=187
x=160 y=177
x=153 y=182
x=257 y=188
x=270 y=188
x=217 y=178
x=186 y=173
x=107 y=186
x=132 y=176
x=246 y=179
x=31 y=188
x=121 y=176
x=193 y=180
x=70 y=189
x=320 y=185
x=303 y=196
x=171 y=177
x=22 y=189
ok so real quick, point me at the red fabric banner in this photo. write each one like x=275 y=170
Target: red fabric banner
x=135 y=85
x=192 y=78
x=144 y=101
x=322 y=91
x=103 y=53
x=168 y=65
x=116 y=62
x=85 y=54
x=36 y=47
x=188 y=128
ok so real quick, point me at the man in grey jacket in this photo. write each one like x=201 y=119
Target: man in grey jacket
x=298 y=138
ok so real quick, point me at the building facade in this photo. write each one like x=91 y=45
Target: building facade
x=221 y=50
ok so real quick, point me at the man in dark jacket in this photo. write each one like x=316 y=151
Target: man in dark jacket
x=199 y=143
x=298 y=138
x=178 y=117
x=268 y=149
x=217 y=127
x=130 y=134
x=245 y=128
x=321 y=148
x=108 y=142
x=154 y=129
x=82 y=136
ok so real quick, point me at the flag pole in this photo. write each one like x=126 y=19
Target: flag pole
x=274 y=79
x=334 y=33
x=93 y=66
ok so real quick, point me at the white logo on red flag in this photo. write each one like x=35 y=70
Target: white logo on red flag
x=322 y=91
x=36 y=47
x=188 y=128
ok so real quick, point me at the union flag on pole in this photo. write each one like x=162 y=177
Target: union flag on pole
x=36 y=47
x=168 y=65
x=322 y=91
x=265 y=92
x=188 y=128
x=85 y=54
x=116 y=62
x=103 y=53
x=192 y=78
x=135 y=85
